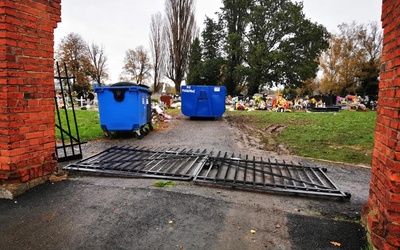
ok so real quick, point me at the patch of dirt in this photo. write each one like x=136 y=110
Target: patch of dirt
x=357 y=148
x=275 y=129
x=253 y=137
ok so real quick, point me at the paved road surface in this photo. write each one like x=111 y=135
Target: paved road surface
x=95 y=212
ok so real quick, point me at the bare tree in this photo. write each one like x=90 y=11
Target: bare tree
x=73 y=51
x=180 y=30
x=157 y=46
x=371 y=37
x=97 y=69
x=136 y=65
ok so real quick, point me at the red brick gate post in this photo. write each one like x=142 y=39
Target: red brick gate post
x=383 y=209
x=27 y=134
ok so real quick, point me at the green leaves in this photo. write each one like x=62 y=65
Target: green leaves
x=266 y=43
x=195 y=73
x=287 y=46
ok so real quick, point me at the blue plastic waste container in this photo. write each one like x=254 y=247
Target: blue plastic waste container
x=203 y=101
x=124 y=107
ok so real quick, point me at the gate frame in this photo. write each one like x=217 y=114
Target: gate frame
x=73 y=141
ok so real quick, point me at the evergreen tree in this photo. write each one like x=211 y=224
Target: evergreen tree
x=212 y=39
x=212 y=50
x=195 y=73
x=234 y=15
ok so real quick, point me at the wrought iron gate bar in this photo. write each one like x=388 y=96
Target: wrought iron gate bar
x=218 y=169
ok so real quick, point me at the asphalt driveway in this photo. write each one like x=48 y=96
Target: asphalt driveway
x=99 y=212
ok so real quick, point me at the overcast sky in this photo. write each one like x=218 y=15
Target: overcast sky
x=120 y=25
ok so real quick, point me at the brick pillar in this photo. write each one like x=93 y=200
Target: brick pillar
x=383 y=208
x=27 y=134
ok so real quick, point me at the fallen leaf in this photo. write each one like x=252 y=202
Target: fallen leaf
x=336 y=244
x=59 y=176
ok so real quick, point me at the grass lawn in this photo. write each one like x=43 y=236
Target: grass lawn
x=345 y=136
x=88 y=124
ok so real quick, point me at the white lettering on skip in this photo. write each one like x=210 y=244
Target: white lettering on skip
x=188 y=90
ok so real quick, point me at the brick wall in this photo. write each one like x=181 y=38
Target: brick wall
x=27 y=136
x=383 y=208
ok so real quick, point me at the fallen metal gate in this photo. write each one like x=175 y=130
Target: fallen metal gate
x=176 y=164
x=257 y=174
x=218 y=169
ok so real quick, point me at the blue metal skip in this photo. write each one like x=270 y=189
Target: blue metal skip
x=203 y=101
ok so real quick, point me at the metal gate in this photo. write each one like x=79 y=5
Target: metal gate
x=175 y=164
x=220 y=169
x=69 y=146
x=267 y=175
